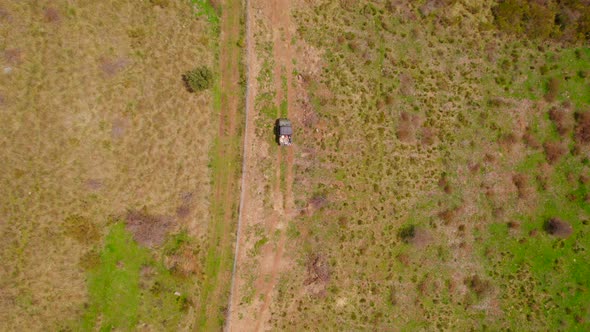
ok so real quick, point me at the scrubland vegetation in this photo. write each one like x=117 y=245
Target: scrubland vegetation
x=443 y=178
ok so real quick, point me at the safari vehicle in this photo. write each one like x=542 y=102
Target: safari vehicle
x=283 y=132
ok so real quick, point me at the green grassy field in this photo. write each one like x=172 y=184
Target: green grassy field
x=447 y=170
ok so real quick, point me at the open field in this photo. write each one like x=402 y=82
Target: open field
x=441 y=172
x=106 y=172
x=439 y=180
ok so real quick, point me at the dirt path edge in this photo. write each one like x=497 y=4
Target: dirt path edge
x=227 y=326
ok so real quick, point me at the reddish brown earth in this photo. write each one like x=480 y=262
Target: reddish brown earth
x=265 y=267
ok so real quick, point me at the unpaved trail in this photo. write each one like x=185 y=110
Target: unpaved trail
x=279 y=18
x=218 y=260
x=256 y=276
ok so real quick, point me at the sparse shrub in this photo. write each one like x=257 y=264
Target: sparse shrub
x=198 y=79
x=552 y=89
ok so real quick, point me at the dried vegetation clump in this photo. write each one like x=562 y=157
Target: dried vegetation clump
x=478 y=285
x=562 y=119
x=82 y=229
x=522 y=185
x=407 y=127
x=318 y=270
x=529 y=140
x=552 y=89
x=582 y=135
x=148 y=230
x=554 y=151
x=558 y=228
x=184 y=262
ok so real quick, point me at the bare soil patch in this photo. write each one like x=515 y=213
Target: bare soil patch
x=421 y=238
x=94 y=184
x=112 y=66
x=14 y=56
x=119 y=127
x=52 y=15
x=407 y=127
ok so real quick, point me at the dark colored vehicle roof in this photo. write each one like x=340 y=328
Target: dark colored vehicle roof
x=284 y=127
x=285 y=130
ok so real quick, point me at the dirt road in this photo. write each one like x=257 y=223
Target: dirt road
x=258 y=267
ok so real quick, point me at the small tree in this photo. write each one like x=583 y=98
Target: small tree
x=198 y=79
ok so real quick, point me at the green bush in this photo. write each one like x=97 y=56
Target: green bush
x=407 y=233
x=198 y=79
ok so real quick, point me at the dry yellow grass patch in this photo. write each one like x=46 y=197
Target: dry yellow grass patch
x=95 y=121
